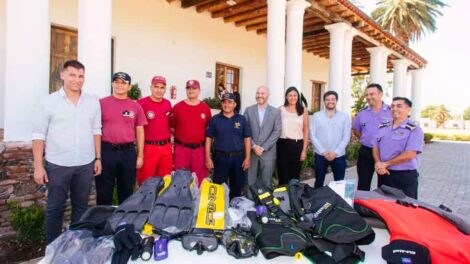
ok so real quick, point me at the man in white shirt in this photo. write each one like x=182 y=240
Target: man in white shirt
x=330 y=131
x=67 y=127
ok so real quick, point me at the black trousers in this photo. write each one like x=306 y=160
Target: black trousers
x=62 y=180
x=288 y=159
x=119 y=168
x=229 y=169
x=405 y=180
x=365 y=168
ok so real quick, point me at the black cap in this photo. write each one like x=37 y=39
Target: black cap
x=123 y=76
x=228 y=96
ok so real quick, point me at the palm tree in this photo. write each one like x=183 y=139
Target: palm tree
x=441 y=115
x=408 y=19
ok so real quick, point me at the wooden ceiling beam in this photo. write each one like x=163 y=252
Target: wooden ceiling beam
x=190 y=3
x=313 y=28
x=263 y=25
x=249 y=14
x=251 y=21
x=210 y=5
x=239 y=8
x=261 y=31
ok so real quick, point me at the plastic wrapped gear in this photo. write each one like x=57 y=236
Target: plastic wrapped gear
x=239 y=206
x=79 y=247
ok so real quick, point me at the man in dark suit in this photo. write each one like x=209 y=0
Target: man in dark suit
x=265 y=123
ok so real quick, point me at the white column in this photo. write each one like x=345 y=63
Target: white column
x=94 y=45
x=276 y=50
x=345 y=96
x=26 y=64
x=294 y=36
x=378 y=64
x=336 y=61
x=400 y=77
x=2 y=61
x=416 y=93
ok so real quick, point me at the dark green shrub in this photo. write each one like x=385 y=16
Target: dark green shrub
x=310 y=160
x=428 y=137
x=134 y=93
x=28 y=223
x=212 y=102
x=352 y=151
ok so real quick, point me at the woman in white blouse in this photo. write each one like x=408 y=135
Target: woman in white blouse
x=293 y=143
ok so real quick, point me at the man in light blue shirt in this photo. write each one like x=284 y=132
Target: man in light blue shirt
x=330 y=131
x=67 y=129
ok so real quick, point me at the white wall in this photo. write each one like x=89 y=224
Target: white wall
x=156 y=37
x=2 y=61
x=64 y=13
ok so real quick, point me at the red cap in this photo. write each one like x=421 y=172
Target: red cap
x=158 y=79
x=193 y=84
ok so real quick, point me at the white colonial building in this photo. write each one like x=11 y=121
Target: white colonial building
x=314 y=45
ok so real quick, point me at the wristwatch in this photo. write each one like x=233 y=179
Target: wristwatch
x=97 y=158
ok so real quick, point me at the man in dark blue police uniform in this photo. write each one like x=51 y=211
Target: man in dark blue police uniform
x=396 y=149
x=231 y=135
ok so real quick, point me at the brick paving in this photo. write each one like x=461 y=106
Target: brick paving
x=444 y=176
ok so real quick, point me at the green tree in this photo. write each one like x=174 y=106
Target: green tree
x=466 y=114
x=429 y=111
x=408 y=19
x=441 y=115
x=357 y=93
x=134 y=93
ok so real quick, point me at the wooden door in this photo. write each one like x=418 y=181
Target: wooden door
x=316 y=96
x=64 y=47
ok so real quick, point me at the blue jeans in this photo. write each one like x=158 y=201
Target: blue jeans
x=338 y=166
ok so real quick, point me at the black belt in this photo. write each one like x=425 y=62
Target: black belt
x=158 y=142
x=292 y=140
x=190 y=145
x=119 y=146
x=366 y=147
x=229 y=153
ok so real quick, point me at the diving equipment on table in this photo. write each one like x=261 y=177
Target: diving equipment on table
x=146 y=248
x=127 y=244
x=237 y=212
x=239 y=244
x=95 y=219
x=200 y=240
x=161 y=249
x=432 y=234
x=136 y=209
x=212 y=205
x=173 y=211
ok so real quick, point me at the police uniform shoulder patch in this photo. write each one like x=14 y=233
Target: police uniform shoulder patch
x=385 y=124
x=410 y=126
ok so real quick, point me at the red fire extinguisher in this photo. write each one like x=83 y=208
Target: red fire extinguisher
x=173 y=92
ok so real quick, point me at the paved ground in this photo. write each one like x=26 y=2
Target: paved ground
x=444 y=176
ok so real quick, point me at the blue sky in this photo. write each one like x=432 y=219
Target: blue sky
x=446 y=78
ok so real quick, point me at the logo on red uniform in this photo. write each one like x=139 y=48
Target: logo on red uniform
x=150 y=115
x=128 y=113
x=203 y=116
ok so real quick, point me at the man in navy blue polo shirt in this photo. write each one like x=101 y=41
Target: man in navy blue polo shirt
x=231 y=135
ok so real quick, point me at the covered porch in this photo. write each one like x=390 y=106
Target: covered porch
x=275 y=42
